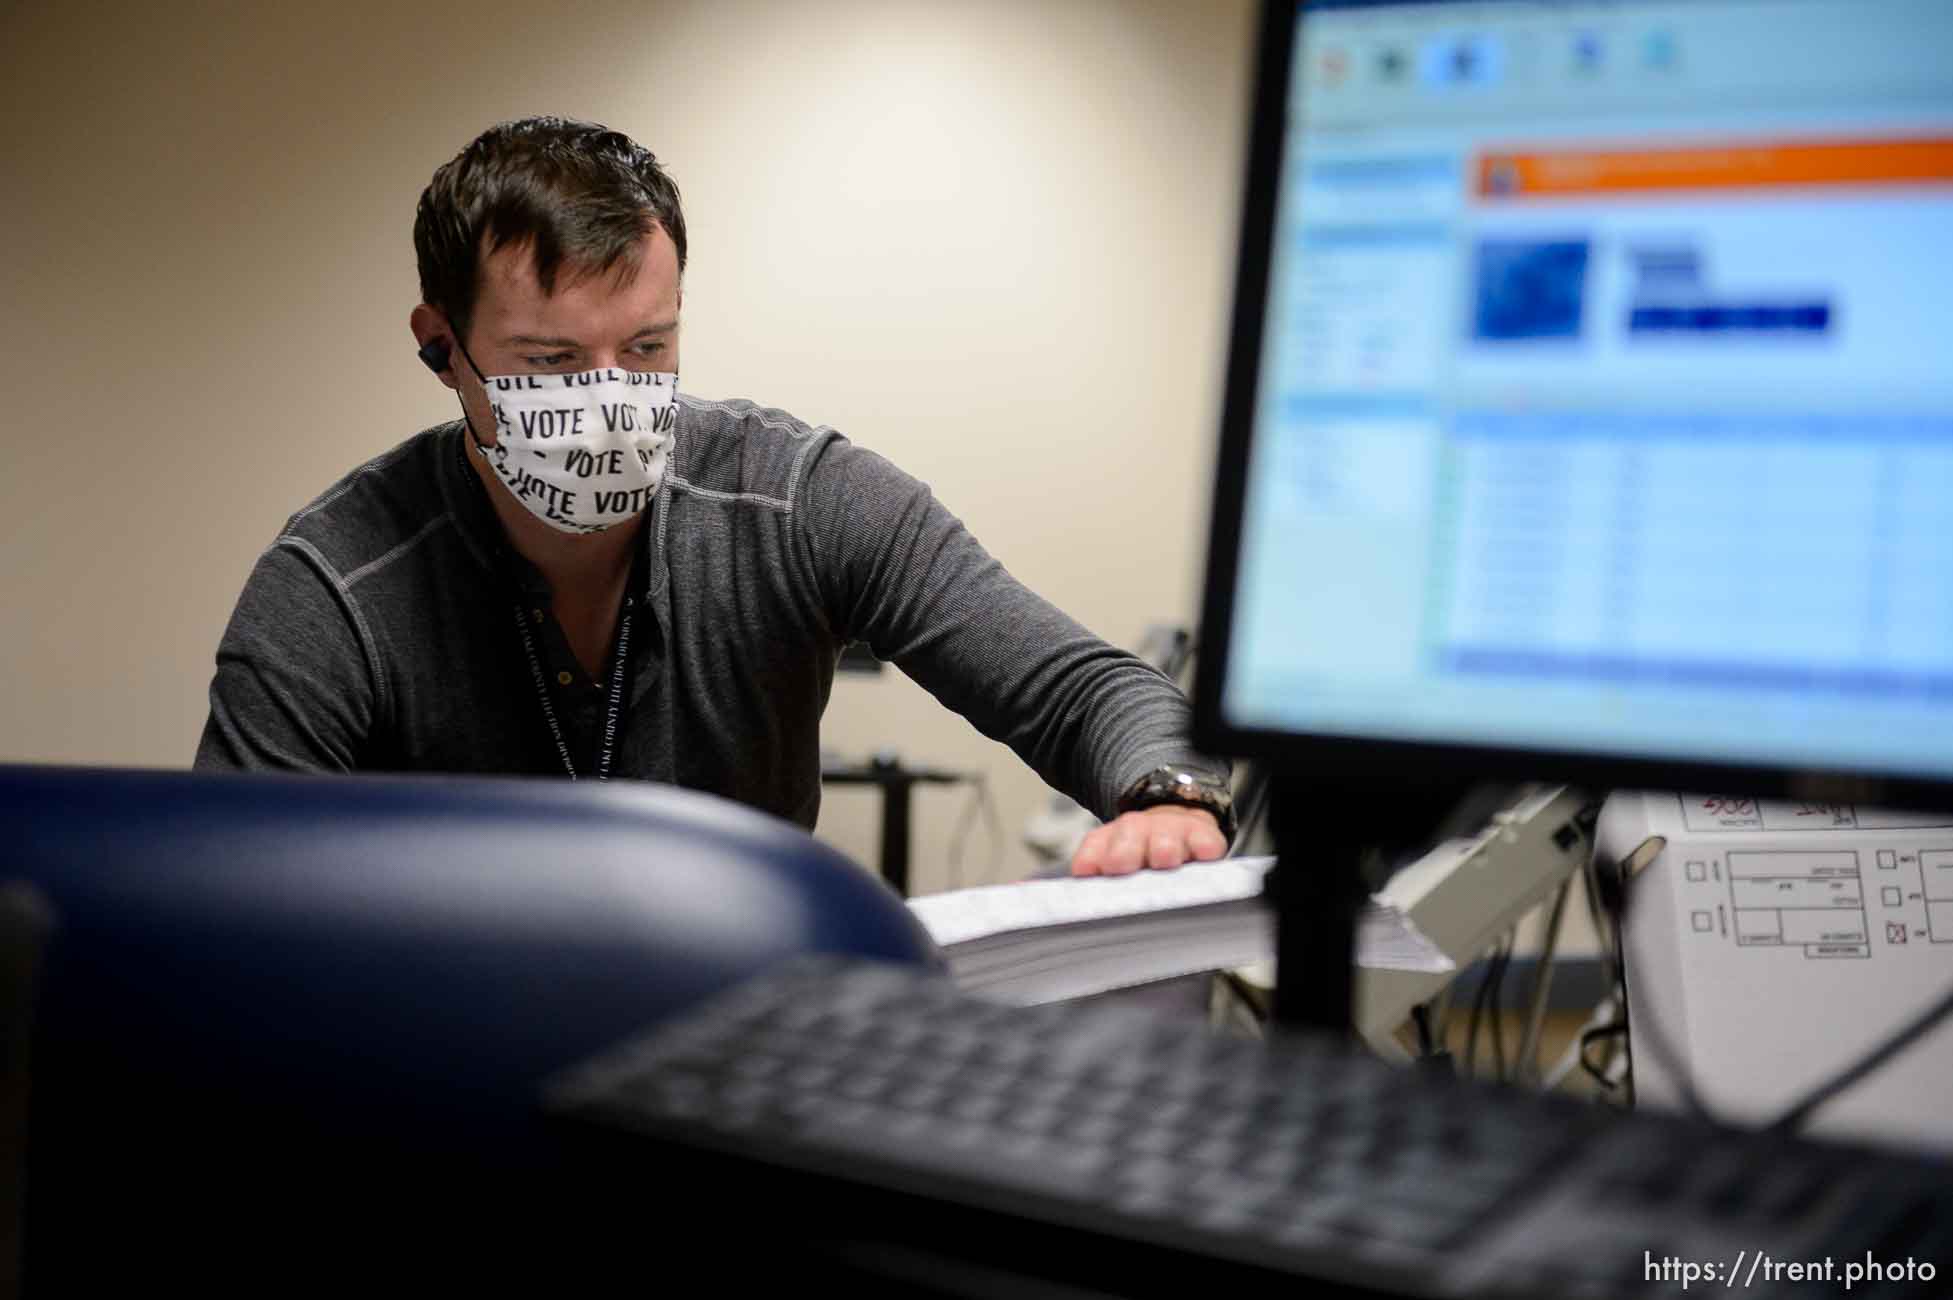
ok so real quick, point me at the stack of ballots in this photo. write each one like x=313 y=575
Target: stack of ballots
x=1047 y=940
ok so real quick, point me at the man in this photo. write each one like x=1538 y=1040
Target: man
x=591 y=574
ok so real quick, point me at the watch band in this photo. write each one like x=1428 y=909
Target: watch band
x=1170 y=784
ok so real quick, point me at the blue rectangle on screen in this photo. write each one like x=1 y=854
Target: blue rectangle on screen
x=1396 y=235
x=1356 y=406
x=1496 y=661
x=1416 y=169
x=1812 y=318
x=1529 y=289
x=1705 y=426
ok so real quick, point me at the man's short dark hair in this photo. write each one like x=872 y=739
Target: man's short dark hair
x=579 y=194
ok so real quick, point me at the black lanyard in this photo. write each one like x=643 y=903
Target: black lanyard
x=613 y=712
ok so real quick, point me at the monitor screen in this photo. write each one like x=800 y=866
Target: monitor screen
x=1592 y=390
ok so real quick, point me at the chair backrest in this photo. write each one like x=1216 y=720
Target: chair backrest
x=262 y=988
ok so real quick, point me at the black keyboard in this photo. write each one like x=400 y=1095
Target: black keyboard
x=874 y=1120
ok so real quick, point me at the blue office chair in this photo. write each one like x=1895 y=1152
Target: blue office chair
x=300 y=1023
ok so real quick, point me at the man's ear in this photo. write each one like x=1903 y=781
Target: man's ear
x=436 y=342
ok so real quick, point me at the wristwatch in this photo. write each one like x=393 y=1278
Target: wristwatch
x=1170 y=784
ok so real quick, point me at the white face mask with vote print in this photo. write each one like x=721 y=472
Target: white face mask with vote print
x=582 y=452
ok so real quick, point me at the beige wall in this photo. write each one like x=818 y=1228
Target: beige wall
x=991 y=240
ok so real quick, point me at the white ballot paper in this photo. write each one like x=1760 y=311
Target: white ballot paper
x=1046 y=940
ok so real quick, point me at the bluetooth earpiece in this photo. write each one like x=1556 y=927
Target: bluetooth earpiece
x=434 y=355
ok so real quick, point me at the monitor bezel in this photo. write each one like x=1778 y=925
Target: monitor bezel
x=1349 y=761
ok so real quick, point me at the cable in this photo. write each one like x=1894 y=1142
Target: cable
x=1610 y=1018
x=1607 y=1022
x=1602 y=920
x=1526 y=1066
x=1595 y=1034
x=1494 y=973
x=1238 y=1006
x=1431 y=1053
x=1495 y=1011
x=1604 y=1013
x=1650 y=1033
x=1864 y=1065
x=1421 y=1017
x=979 y=801
x=1471 y=1026
x=1440 y=1012
x=1251 y=810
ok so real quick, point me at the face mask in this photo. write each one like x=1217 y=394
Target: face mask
x=582 y=452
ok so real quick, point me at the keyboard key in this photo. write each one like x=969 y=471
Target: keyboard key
x=1094 y=1130
x=1152 y=1141
x=863 y=1087
x=972 y=1156
x=920 y=1096
x=810 y=1078
x=1211 y=1153
x=979 y=1107
x=1036 y=1119
x=1153 y=1172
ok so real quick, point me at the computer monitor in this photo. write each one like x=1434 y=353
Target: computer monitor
x=1589 y=414
x=1587 y=419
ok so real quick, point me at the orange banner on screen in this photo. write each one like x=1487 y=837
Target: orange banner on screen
x=1833 y=162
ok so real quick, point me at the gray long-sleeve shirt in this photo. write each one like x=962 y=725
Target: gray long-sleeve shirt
x=380 y=630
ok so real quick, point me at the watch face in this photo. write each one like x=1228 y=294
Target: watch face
x=1185 y=787
x=1172 y=785
x=1208 y=788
